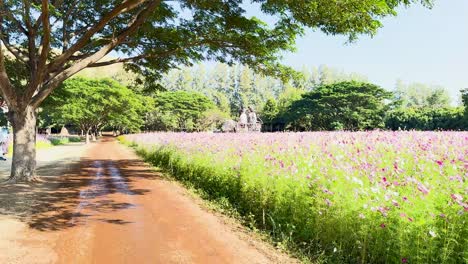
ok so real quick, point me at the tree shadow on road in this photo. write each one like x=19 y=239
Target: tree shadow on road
x=74 y=194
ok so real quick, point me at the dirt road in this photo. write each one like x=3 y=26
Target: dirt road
x=112 y=208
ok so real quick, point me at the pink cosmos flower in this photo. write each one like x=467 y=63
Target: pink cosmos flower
x=423 y=189
x=456 y=197
x=281 y=164
x=383 y=210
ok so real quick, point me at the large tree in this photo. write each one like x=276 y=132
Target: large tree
x=91 y=104
x=179 y=110
x=51 y=40
x=345 y=105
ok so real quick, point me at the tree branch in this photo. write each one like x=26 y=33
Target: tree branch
x=118 y=60
x=31 y=34
x=126 y=6
x=18 y=53
x=6 y=89
x=44 y=52
x=138 y=20
x=14 y=20
x=158 y=55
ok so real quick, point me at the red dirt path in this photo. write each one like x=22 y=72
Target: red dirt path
x=112 y=208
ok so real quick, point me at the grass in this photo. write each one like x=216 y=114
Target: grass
x=376 y=197
x=43 y=142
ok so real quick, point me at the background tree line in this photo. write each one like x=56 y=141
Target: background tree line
x=288 y=105
x=201 y=98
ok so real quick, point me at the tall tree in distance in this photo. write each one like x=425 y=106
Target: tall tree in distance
x=464 y=98
x=53 y=40
x=179 y=110
x=269 y=113
x=421 y=95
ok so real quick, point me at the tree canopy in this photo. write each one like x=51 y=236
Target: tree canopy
x=344 y=105
x=94 y=103
x=56 y=39
x=179 y=110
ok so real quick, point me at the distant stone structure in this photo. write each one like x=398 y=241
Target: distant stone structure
x=229 y=126
x=64 y=131
x=248 y=122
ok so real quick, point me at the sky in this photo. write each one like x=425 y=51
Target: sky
x=419 y=45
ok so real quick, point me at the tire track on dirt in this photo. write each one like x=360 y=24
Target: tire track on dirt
x=113 y=208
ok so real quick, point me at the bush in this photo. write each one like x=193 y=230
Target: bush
x=62 y=140
x=426 y=119
x=56 y=141
x=74 y=139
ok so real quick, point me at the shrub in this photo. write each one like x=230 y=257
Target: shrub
x=59 y=140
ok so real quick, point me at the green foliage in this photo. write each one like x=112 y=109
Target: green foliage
x=3 y=118
x=232 y=87
x=236 y=86
x=426 y=119
x=212 y=119
x=345 y=105
x=464 y=96
x=95 y=103
x=73 y=139
x=269 y=113
x=63 y=140
x=56 y=141
x=421 y=95
x=179 y=110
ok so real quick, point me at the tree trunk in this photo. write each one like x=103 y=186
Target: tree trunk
x=23 y=166
x=87 y=136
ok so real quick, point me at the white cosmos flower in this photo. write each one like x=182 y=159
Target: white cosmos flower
x=358 y=181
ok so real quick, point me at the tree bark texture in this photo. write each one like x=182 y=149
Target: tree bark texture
x=23 y=166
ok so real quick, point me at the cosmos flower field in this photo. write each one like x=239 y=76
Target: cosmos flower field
x=339 y=197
